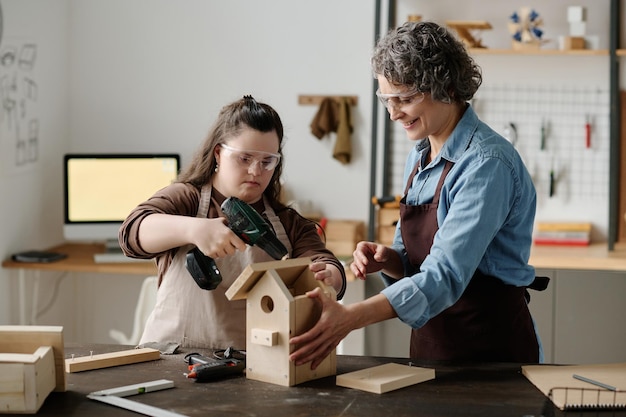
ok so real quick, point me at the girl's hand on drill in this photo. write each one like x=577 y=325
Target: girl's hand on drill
x=215 y=239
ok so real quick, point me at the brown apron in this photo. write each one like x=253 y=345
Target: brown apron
x=192 y=317
x=490 y=322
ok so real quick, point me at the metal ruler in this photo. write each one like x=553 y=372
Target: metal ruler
x=114 y=396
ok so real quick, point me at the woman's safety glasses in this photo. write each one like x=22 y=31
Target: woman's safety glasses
x=247 y=159
x=401 y=99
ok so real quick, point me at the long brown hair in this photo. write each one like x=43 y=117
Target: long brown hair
x=245 y=112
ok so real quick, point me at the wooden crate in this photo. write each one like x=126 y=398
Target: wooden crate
x=343 y=235
x=26 y=380
x=27 y=339
x=386 y=220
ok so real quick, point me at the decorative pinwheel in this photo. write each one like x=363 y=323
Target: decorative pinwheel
x=524 y=27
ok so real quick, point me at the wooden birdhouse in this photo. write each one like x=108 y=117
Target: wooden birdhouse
x=277 y=308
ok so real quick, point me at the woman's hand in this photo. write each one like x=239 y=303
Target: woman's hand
x=317 y=343
x=369 y=257
x=335 y=323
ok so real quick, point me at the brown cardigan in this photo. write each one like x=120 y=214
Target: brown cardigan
x=183 y=199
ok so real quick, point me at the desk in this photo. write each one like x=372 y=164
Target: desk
x=80 y=258
x=476 y=390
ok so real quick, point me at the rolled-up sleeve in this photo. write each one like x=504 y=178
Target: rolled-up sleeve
x=178 y=198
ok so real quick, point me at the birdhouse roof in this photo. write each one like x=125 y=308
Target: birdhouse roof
x=289 y=270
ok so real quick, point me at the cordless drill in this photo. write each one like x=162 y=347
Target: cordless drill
x=246 y=223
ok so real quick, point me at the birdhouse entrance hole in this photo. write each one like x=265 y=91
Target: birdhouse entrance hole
x=267 y=304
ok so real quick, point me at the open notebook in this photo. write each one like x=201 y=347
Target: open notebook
x=558 y=383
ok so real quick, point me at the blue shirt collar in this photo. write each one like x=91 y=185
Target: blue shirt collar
x=461 y=136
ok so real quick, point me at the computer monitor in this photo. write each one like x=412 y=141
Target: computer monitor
x=102 y=189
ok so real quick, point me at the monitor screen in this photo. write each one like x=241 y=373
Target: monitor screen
x=102 y=189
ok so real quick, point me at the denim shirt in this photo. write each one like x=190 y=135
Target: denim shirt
x=485 y=218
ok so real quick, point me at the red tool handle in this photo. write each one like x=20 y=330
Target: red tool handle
x=588 y=135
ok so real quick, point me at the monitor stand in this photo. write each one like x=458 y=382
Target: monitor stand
x=112 y=245
x=113 y=254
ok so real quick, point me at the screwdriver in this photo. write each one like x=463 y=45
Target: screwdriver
x=588 y=132
x=552 y=178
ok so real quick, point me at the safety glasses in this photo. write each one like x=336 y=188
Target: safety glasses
x=400 y=99
x=247 y=159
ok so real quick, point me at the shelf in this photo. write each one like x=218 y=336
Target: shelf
x=573 y=52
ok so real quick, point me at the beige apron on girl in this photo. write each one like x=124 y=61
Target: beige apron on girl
x=192 y=317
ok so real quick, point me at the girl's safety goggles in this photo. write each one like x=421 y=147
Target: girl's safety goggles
x=246 y=159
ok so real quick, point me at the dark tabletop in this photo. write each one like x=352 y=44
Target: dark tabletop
x=467 y=390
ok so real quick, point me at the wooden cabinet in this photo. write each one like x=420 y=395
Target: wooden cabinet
x=580 y=317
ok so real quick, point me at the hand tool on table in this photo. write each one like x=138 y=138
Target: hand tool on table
x=217 y=369
x=250 y=227
x=203 y=368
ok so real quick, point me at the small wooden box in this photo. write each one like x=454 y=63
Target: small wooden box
x=343 y=235
x=573 y=42
x=26 y=380
x=386 y=224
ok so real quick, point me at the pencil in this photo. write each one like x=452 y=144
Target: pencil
x=594 y=382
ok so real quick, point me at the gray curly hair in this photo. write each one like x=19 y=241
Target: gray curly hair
x=428 y=57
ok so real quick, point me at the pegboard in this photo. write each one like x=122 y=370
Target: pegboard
x=561 y=112
x=579 y=172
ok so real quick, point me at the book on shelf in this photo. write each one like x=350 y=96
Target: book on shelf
x=562 y=233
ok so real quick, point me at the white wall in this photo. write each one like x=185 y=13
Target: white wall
x=31 y=208
x=151 y=76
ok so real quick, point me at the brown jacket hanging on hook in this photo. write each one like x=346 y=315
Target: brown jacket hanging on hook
x=325 y=120
x=343 y=147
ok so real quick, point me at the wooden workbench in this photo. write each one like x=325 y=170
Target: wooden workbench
x=468 y=390
x=593 y=257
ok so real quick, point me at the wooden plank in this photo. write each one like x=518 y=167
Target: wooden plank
x=305 y=99
x=385 y=378
x=469 y=24
x=107 y=360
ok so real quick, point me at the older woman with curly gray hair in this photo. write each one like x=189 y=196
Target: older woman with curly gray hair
x=457 y=271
